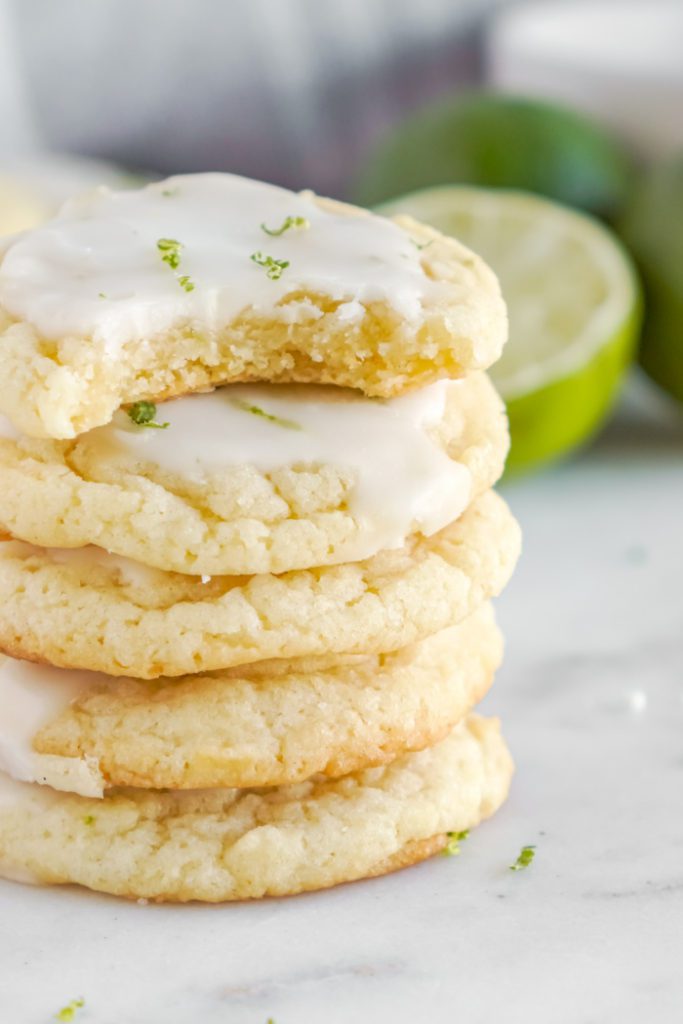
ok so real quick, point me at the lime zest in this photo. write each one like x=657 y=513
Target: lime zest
x=524 y=859
x=256 y=410
x=143 y=415
x=68 y=1012
x=274 y=268
x=453 y=840
x=289 y=222
x=170 y=251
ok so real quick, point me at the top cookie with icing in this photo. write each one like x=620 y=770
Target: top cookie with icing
x=209 y=279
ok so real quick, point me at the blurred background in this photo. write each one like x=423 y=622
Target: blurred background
x=547 y=135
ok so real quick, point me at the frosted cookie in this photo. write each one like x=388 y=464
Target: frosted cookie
x=273 y=723
x=252 y=479
x=210 y=279
x=228 y=844
x=87 y=609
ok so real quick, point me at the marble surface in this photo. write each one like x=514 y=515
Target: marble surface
x=592 y=933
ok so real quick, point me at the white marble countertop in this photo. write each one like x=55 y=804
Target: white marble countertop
x=592 y=933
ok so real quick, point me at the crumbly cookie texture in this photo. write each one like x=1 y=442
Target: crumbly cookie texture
x=277 y=723
x=239 y=521
x=62 y=387
x=105 y=614
x=216 y=845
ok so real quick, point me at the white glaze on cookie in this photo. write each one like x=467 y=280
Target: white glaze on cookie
x=130 y=573
x=30 y=696
x=403 y=478
x=96 y=269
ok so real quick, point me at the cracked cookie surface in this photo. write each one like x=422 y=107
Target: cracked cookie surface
x=216 y=845
x=87 y=609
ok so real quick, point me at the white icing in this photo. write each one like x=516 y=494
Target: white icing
x=30 y=697
x=131 y=573
x=95 y=270
x=403 y=477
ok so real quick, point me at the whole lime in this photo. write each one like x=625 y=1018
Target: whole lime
x=653 y=229
x=501 y=141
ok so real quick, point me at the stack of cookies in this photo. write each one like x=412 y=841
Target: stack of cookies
x=248 y=543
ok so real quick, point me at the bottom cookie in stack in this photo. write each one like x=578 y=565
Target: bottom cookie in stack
x=269 y=725
x=228 y=844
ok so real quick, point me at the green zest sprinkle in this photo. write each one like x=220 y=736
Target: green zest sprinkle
x=102 y=295
x=256 y=410
x=170 y=251
x=454 y=839
x=424 y=245
x=89 y=819
x=169 y=192
x=143 y=414
x=526 y=855
x=288 y=222
x=68 y=1012
x=273 y=267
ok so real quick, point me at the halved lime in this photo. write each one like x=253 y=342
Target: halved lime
x=574 y=304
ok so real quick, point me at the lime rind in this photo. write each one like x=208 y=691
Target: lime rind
x=564 y=415
x=606 y=256
x=575 y=309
